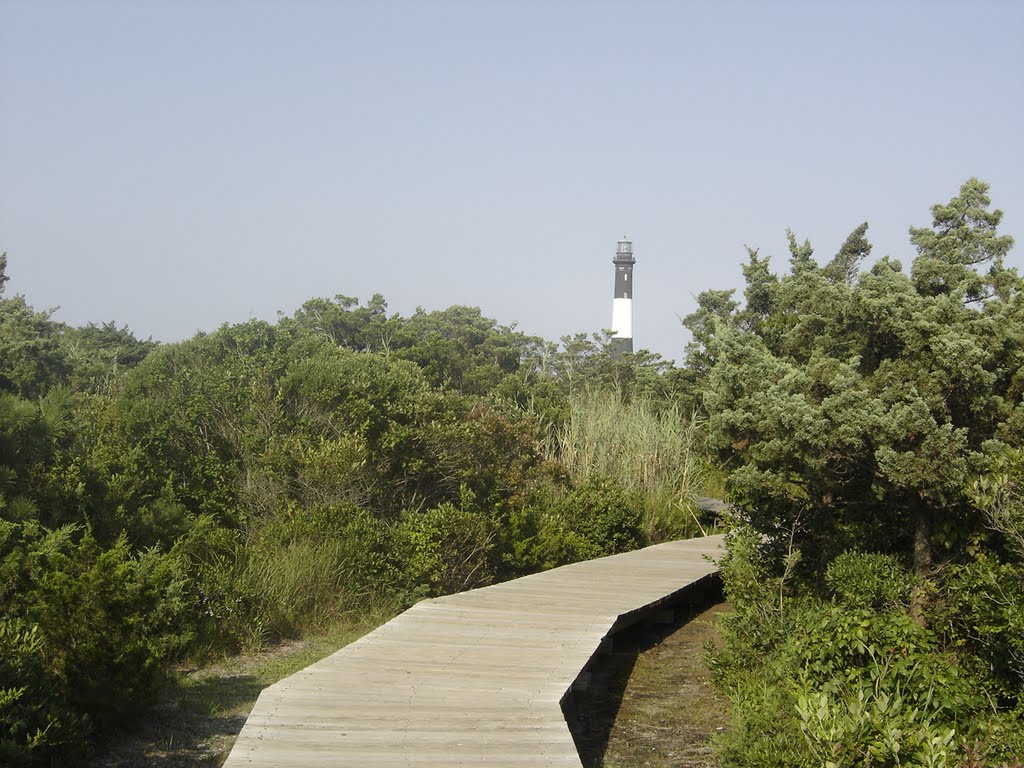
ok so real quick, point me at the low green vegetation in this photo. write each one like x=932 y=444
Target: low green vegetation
x=162 y=503
x=873 y=426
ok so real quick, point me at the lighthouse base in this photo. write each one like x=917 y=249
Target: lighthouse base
x=619 y=346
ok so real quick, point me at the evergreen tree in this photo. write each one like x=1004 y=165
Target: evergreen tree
x=858 y=414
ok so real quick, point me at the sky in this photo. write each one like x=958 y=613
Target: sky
x=173 y=166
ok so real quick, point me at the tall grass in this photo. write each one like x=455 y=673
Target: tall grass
x=654 y=451
x=303 y=587
x=306 y=587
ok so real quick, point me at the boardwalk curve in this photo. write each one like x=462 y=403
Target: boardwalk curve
x=471 y=679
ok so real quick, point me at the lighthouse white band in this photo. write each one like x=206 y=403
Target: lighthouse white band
x=622 y=318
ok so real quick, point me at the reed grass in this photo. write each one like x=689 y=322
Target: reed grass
x=654 y=451
x=304 y=588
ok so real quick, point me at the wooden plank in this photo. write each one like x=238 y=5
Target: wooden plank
x=474 y=679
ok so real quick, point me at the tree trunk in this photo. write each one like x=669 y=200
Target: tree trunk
x=922 y=562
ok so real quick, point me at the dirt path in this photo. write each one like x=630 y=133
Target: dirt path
x=650 y=702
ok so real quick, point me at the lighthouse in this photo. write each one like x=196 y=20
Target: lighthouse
x=622 y=303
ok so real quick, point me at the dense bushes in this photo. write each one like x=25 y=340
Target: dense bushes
x=848 y=678
x=35 y=719
x=88 y=633
x=447 y=548
x=868 y=580
x=601 y=517
x=981 y=612
x=561 y=525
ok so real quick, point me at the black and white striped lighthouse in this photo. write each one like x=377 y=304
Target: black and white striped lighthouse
x=622 y=303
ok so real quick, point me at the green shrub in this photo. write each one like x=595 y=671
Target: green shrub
x=835 y=644
x=601 y=517
x=219 y=605
x=557 y=526
x=535 y=538
x=757 y=623
x=763 y=732
x=448 y=549
x=868 y=580
x=35 y=722
x=984 y=614
x=868 y=728
x=85 y=639
x=855 y=687
x=95 y=608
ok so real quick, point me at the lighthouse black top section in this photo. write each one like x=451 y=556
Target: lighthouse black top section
x=624 y=262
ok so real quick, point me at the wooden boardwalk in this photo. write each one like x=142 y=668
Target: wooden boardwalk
x=473 y=679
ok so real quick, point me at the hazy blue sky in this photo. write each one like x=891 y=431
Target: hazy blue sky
x=176 y=165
